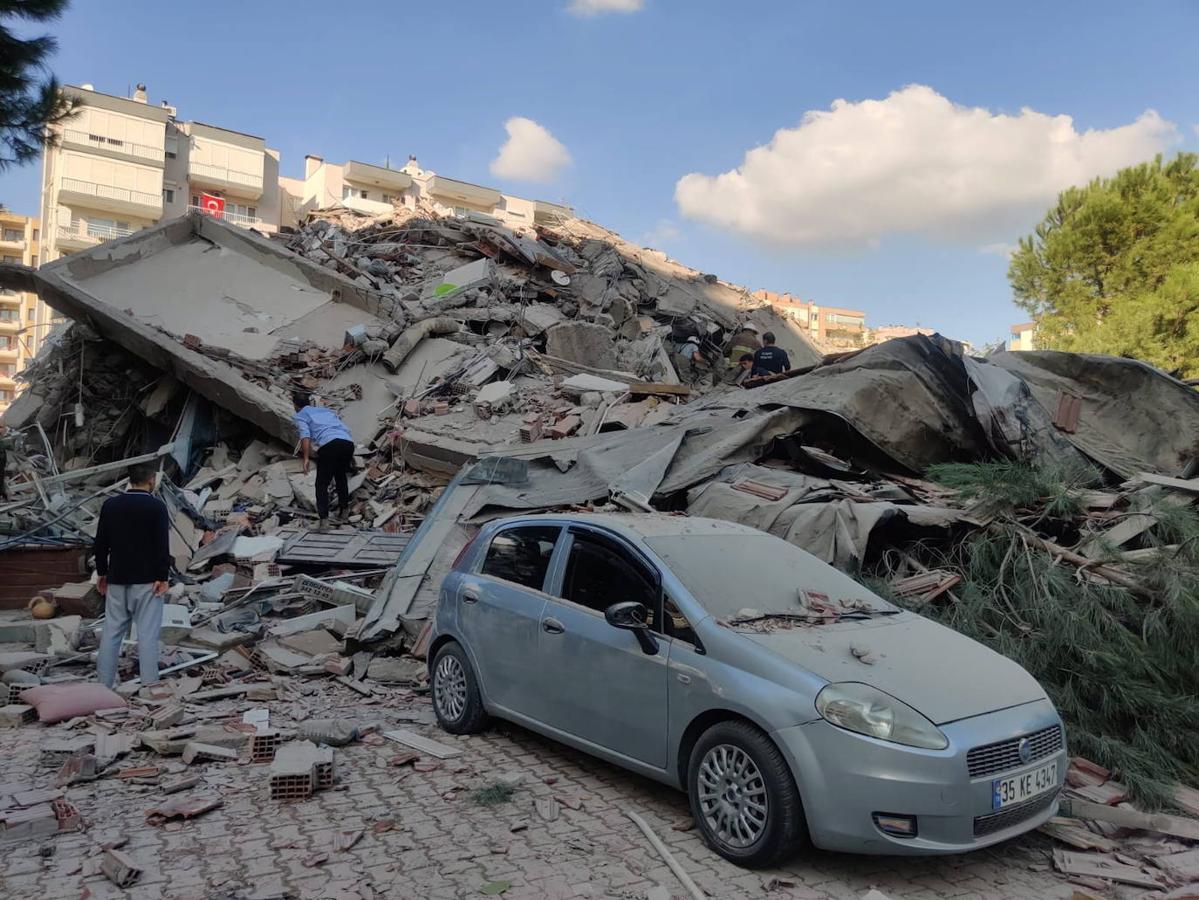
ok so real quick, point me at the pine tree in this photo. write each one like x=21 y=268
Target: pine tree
x=27 y=106
x=1114 y=267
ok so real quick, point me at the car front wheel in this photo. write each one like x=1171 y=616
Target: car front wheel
x=456 y=700
x=743 y=796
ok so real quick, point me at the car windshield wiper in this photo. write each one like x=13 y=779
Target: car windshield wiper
x=813 y=618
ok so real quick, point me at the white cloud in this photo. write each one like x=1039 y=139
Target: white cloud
x=1000 y=248
x=912 y=163
x=665 y=230
x=588 y=8
x=531 y=153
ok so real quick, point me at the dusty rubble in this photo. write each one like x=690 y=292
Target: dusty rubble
x=484 y=372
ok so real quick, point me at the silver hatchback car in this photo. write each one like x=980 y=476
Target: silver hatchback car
x=789 y=702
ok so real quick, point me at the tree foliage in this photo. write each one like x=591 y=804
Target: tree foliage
x=27 y=106
x=1114 y=267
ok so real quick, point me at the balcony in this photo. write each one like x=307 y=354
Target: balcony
x=238 y=219
x=80 y=235
x=84 y=140
x=7 y=244
x=390 y=180
x=241 y=184
x=113 y=199
x=463 y=193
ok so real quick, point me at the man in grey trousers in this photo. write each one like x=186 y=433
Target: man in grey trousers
x=133 y=561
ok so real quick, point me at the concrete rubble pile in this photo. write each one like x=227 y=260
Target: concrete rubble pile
x=483 y=372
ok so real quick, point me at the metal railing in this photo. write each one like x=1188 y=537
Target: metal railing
x=92 y=232
x=225 y=174
x=141 y=198
x=100 y=141
x=233 y=218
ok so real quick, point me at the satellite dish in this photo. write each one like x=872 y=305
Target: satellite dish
x=560 y=278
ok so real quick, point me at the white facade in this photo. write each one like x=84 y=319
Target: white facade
x=120 y=164
x=375 y=190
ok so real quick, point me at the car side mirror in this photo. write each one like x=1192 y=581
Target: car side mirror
x=632 y=616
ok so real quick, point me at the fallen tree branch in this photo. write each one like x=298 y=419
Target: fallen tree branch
x=1107 y=573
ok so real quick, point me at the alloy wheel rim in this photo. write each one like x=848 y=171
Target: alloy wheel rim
x=449 y=688
x=732 y=796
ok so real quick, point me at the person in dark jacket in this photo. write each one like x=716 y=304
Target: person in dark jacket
x=133 y=561
x=770 y=360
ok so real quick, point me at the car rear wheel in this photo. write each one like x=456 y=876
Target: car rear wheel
x=743 y=796
x=456 y=700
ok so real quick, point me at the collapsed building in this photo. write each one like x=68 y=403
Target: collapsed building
x=485 y=371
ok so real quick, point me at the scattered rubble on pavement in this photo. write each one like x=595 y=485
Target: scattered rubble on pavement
x=484 y=372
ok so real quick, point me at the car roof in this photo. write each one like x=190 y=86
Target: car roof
x=643 y=525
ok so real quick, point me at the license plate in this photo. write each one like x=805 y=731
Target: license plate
x=1024 y=786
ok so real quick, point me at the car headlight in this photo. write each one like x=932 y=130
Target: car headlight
x=867 y=710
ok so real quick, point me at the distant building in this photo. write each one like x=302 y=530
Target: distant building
x=24 y=319
x=374 y=190
x=827 y=326
x=1022 y=336
x=120 y=164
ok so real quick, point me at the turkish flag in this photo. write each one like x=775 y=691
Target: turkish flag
x=212 y=205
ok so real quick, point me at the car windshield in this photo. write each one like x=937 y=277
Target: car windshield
x=738 y=576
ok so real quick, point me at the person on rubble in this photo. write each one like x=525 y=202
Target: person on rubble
x=690 y=361
x=745 y=366
x=133 y=563
x=769 y=359
x=6 y=444
x=321 y=428
x=744 y=341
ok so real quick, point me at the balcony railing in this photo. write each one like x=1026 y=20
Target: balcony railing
x=99 y=141
x=225 y=174
x=231 y=217
x=91 y=232
x=109 y=192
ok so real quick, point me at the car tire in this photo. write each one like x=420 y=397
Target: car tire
x=743 y=796
x=456 y=701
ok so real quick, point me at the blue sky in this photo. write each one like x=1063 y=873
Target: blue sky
x=885 y=204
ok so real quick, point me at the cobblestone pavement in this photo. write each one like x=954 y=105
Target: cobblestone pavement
x=425 y=836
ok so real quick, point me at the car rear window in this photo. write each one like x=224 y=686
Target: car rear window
x=522 y=555
x=728 y=573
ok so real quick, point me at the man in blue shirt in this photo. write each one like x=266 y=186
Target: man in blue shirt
x=320 y=427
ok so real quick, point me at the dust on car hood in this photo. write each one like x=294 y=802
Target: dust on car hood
x=943 y=674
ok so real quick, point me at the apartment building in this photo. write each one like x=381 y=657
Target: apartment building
x=121 y=163
x=1022 y=336
x=24 y=319
x=827 y=326
x=375 y=189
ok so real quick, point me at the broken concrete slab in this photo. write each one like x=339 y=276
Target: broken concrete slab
x=238 y=300
x=396 y=670
x=582 y=342
x=325 y=618
x=316 y=642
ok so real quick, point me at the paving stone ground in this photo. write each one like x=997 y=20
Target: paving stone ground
x=425 y=836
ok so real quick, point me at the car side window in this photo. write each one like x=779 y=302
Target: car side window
x=675 y=624
x=599 y=573
x=521 y=555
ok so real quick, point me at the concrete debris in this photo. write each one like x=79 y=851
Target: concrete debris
x=119 y=868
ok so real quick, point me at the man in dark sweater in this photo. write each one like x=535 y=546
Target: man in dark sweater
x=770 y=360
x=133 y=560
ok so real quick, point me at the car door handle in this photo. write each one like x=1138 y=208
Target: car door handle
x=552 y=626
x=470 y=597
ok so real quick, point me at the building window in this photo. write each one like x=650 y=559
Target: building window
x=7 y=342
x=36 y=233
x=388 y=198
x=15 y=260
x=14 y=234
x=33 y=261
x=168 y=195
x=348 y=192
x=171 y=147
x=8 y=370
x=5 y=394
x=195 y=199
x=10 y=315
